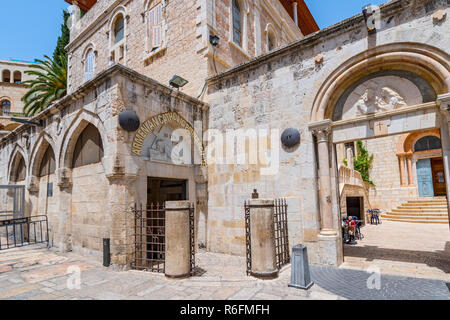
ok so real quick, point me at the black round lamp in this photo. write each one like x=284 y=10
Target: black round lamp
x=129 y=121
x=290 y=137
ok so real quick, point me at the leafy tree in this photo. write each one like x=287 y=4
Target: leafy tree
x=363 y=162
x=63 y=39
x=49 y=84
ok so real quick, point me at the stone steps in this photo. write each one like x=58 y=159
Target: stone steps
x=424 y=210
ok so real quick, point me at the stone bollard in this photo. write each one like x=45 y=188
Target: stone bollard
x=300 y=274
x=263 y=238
x=178 y=240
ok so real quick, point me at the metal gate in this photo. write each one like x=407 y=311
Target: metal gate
x=282 y=252
x=12 y=202
x=23 y=232
x=150 y=238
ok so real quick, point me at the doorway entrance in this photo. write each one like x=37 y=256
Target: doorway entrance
x=355 y=207
x=162 y=190
x=437 y=168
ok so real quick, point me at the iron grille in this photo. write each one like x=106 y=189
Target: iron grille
x=192 y=235
x=281 y=235
x=248 y=237
x=150 y=239
x=23 y=232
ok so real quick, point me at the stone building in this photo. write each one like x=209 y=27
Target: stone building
x=12 y=74
x=98 y=166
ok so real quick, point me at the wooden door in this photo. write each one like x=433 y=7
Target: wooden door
x=437 y=167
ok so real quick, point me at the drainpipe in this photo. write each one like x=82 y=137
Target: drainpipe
x=294 y=8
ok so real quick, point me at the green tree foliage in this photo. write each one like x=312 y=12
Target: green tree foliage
x=49 y=84
x=63 y=39
x=363 y=162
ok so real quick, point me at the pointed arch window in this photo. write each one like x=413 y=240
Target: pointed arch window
x=89 y=65
x=17 y=77
x=119 y=29
x=48 y=163
x=237 y=23
x=21 y=172
x=88 y=148
x=6 y=76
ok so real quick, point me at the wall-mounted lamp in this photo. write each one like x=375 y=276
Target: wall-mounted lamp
x=369 y=17
x=178 y=82
x=214 y=40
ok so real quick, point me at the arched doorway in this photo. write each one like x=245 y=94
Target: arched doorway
x=373 y=99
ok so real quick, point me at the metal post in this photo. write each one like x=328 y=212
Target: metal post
x=106 y=252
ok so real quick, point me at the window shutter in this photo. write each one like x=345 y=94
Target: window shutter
x=156 y=26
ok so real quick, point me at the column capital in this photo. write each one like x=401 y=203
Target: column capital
x=443 y=101
x=321 y=130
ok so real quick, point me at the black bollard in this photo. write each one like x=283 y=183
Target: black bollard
x=106 y=252
x=301 y=276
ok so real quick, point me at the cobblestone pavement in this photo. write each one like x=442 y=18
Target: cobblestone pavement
x=36 y=273
x=404 y=249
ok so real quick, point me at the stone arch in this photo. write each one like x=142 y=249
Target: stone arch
x=148 y=4
x=427 y=62
x=406 y=144
x=120 y=10
x=37 y=153
x=17 y=154
x=71 y=135
x=270 y=32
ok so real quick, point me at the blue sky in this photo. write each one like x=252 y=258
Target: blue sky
x=30 y=28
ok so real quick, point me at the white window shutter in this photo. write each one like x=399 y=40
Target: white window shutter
x=89 y=68
x=156 y=26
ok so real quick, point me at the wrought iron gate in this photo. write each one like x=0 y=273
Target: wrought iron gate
x=23 y=232
x=281 y=235
x=150 y=238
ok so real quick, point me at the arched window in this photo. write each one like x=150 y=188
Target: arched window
x=89 y=65
x=21 y=173
x=237 y=23
x=5 y=107
x=271 y=42
x=17 y=77
x=6 y=76
x=428 y=143
x=48 y=164
x=89 y=148
x=119 y=29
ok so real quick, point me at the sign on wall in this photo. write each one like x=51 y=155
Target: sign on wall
x=167 y=138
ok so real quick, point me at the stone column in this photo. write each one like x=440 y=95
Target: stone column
x=178 y=239
x=444 y=102
x=401 y=158
x=329 y=236
x=410 y=175
x=295 y=11
x=64 y=237
x=262 y=237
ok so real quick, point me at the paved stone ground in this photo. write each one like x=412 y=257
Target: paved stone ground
x=36 y=273
x=404 y=249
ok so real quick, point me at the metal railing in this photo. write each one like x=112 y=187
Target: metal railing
x=23 y=232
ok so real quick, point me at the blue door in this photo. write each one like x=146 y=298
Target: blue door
x=425 y=178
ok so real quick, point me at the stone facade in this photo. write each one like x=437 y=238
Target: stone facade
x=293 y=88
x=93 y=202
x=12 y=74
x=315 y=84
x=185 y=48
